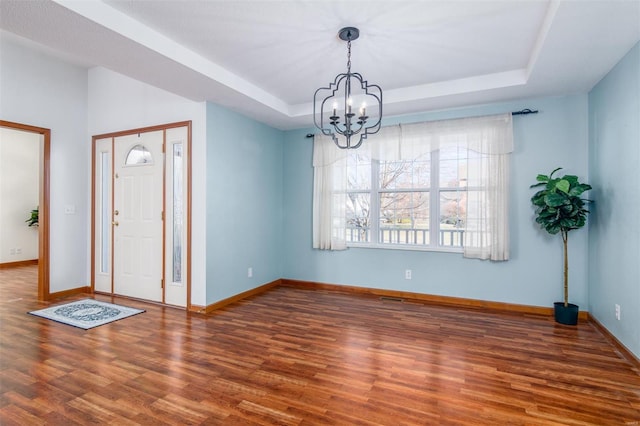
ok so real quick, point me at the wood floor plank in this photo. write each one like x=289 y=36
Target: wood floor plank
x=306 y=357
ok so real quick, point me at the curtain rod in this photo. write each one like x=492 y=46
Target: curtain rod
x=525 y=111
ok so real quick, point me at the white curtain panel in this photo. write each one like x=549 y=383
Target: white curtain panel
x=487 y=224
x=489 y=141
x=329 y=192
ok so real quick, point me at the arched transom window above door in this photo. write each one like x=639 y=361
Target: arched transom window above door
x=138 y=155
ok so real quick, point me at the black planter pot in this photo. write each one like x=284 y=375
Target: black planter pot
x=567 y=315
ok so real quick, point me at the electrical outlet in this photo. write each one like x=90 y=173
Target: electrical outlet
x=12 y=251
x=407 y=274
x=249 y=272
x=18 y=250
x=617 y=312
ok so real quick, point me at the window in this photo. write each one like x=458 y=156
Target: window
x=178 y=212
x=138 y=155
x=105 y=213
x=424 y=186
x=417 y=203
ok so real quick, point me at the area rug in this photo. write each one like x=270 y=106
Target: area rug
x=86 y=313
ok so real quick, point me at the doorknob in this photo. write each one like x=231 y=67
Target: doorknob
x=115 y=223
x=116 y=212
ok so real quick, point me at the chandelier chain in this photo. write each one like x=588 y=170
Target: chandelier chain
x=349 y=57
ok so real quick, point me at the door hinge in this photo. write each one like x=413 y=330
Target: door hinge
x=162 y=215
x=161 y=283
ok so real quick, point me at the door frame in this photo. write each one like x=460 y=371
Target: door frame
x=163 y=127
x=43 y=207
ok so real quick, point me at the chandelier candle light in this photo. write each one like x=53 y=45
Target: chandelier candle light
x=339 y=93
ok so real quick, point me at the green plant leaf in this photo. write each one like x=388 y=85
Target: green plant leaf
x=568 y=223
x=551 y=185
x=573 y=180
x=547 y=214
x=553 y=199
x=563 y=185
x=569 y=209
x=542 y=178
x=552 y=229
x=33 y=218
x=579 y=189
x=538 y=198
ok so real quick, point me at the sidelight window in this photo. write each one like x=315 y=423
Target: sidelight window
x=178 y=211
x=105 y=203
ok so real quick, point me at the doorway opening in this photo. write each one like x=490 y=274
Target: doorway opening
x=43 y=206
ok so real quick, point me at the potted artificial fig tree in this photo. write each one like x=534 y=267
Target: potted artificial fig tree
x=560 y=209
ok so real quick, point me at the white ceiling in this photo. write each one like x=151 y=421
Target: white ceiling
x=266 y=58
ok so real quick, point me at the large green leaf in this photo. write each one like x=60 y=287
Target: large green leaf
x=552 y=228
x=547 y=214
x=538 y=198
x=573 y=180
x=569 y=209
x=563 y=185
x=579 y=189
x=554 y=199
x=568 y=223
x=551 y=185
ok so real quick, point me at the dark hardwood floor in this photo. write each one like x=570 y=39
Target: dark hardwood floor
x=301 y=357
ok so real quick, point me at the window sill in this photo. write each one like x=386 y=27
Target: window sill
x=406 y=247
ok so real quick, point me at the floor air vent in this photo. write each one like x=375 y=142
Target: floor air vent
x=391 y=299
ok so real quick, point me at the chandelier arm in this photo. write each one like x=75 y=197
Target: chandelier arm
x=356 y=146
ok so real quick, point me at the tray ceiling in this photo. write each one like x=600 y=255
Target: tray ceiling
x=266 y=58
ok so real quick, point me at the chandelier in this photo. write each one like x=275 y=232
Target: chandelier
x=348 y=128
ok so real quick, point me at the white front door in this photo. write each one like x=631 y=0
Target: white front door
x=138 y=200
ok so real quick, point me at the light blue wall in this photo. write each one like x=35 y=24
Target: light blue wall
x=555 y=137
x=244 y=203
x=614 y=234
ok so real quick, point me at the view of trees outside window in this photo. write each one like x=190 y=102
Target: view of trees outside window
x=411 y=202
x=453 y=194
x=358 y=207
x=404 y=201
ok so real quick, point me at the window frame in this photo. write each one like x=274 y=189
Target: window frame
x=434 y=209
